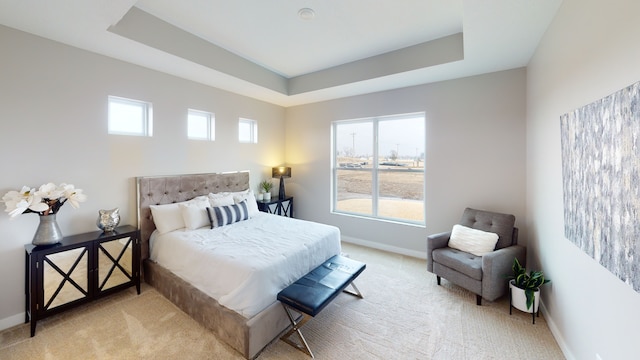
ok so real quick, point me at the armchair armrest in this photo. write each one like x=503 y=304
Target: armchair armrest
x=436 y=241
x=496 y=267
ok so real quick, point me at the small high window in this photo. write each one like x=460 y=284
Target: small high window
x=130 y=117
x=248 y=131
x=200 y=125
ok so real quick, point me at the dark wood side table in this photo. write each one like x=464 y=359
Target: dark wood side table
x=79 y=269
x=277 y=206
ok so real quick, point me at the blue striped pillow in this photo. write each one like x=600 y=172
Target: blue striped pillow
x=229 y=214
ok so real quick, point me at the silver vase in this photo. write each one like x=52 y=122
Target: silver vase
x=108 y=220
x=48 y=232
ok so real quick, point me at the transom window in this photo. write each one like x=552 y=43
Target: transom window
x=200 y=125
x=378 y=167
x=248 y=131
x=130 y=117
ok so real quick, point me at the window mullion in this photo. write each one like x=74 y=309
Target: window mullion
x=145 y=124
x=374 y=170
x=334 y=166
x=149 y=120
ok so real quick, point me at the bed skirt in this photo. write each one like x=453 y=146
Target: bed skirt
x=247 y=336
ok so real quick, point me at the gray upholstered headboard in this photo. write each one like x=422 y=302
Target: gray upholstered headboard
x=157 y=190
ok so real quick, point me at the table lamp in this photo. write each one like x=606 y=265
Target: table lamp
x=281 y=172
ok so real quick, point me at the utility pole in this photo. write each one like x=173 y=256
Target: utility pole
x=353 y=143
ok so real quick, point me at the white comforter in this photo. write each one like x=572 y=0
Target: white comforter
x=244 y=265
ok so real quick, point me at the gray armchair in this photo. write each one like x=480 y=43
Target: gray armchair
x=486 y=275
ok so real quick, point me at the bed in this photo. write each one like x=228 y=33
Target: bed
x=247 y=326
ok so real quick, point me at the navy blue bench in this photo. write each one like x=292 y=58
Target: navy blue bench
x=314 y=291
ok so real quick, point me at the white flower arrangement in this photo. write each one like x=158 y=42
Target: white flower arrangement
x=47 y=200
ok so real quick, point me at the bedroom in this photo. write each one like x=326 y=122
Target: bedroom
x=58 y=94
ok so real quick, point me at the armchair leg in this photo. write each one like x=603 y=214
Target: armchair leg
x=438 y=279
x=478 y=300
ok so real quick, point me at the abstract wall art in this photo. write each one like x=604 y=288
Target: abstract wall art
x=601 y=181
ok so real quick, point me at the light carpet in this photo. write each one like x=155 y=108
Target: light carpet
x=404 y=315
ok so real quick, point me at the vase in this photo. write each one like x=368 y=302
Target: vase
x=108 y=220
x=519 y=299
x=48 y=232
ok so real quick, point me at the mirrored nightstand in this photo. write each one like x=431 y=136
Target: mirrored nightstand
x=79 y=269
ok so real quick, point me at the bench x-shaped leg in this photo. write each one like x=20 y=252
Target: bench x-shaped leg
x=295 y=328
x=355 y=293
x=296 y=325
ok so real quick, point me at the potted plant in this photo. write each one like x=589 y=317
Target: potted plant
x=266 y=185
x=525 y=288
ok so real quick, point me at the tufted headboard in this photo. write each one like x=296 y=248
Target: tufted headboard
x=157 y=190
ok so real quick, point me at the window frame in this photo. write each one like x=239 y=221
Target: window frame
x=210 y=120
x=253 y=131
x=375 y=169
x=146 y=120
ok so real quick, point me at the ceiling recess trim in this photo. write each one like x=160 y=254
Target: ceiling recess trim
x=149 y=30
x=431 y=53
x=142 y=27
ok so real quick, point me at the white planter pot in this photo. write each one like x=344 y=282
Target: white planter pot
x=519 y=299
x=267 y=196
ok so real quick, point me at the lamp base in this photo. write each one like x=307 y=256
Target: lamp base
x=281 y=194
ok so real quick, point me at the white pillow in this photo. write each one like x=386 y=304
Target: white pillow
x=218 y=195
x=474 y=241
x=221 y=199
x=227 y=193
x=194 y=213
x=250 y=198
x=240 y=193
x=167 y=217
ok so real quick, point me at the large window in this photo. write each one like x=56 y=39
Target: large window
x=200 y=125
x=130 y=117
x=378 y=167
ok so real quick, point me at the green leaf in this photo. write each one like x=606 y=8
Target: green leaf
x=530 y=294
x=531 y=281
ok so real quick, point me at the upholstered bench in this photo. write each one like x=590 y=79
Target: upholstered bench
x=314 y=291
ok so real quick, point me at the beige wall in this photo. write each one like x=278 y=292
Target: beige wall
x=475 y=155
x=53 y=128
x=589 y=52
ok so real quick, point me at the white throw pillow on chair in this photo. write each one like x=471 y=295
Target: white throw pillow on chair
x=473 y=241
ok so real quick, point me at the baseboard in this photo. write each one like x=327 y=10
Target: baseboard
x=556 y=333
x=389 y=248
x=11 y=321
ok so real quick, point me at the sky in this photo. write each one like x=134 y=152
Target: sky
x=404 y=134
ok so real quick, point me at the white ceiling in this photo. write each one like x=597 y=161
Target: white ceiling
x=262 y=49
